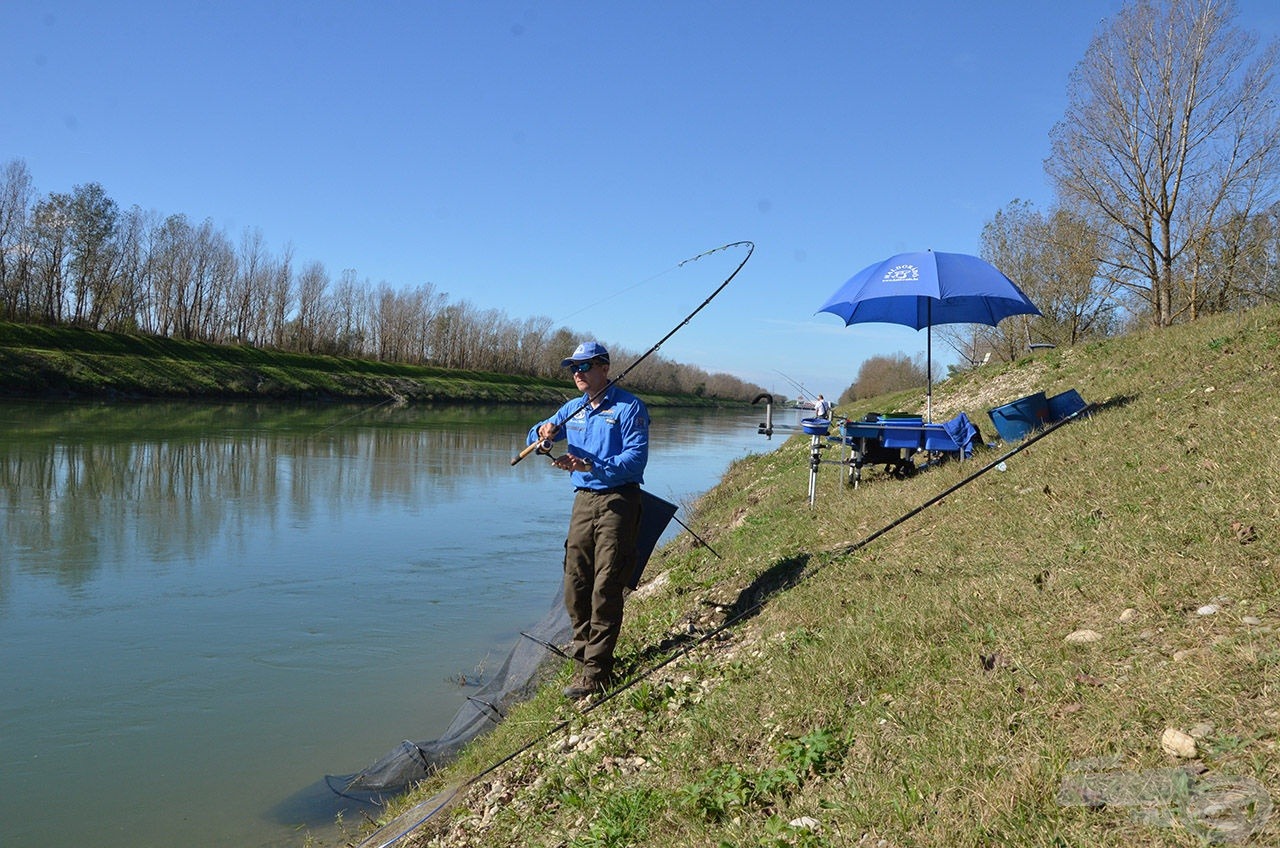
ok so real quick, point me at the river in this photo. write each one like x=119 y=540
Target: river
x=205 y=608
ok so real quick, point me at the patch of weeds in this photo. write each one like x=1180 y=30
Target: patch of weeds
x=728 y=789
x=737 y=671
x=622 y=820
x=647 y=698
x=779 y=833
x=724 y=791
x=802 y=637
x=906 y=808
x=814 y=753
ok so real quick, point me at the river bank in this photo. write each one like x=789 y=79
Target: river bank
x=1074 y=647
x=61 y=362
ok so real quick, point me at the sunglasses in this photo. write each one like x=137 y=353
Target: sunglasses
x=581 y=367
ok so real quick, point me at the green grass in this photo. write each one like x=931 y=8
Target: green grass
x=919 y=690
x=40 y=361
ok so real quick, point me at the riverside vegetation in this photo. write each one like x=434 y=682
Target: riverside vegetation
x=1079 y=650
x=43 y=361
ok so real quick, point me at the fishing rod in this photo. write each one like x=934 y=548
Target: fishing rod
x=799 y=386
x=545 y=444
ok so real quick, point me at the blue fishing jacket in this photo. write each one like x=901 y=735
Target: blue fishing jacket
x=614 y=437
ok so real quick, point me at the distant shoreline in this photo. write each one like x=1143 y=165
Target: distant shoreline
x=65 y=363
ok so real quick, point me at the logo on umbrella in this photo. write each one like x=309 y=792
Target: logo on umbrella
x=902 y=274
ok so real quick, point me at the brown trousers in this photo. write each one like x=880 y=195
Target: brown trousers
x=599 y=556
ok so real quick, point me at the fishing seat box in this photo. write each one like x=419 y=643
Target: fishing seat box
x=860 y=430
x=936 y=438
x=903 y=431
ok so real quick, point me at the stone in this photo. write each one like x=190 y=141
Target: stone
x=1178 y=744
x=1083 y=637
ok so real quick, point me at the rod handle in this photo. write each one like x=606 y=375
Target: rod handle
x=544 y=444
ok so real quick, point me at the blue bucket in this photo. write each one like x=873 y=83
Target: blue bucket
x=1015 y=420
x=815 y=426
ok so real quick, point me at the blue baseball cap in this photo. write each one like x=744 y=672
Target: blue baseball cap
x=585 y=351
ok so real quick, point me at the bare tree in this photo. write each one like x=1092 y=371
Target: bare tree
x=125 y=313
x=278 y=301
x=1056 y=260
x=1238 y=265
x=16 y=194
x=51 y=252
x=350 y=312
x=313 y=283
x=247 y=300
x=1170 y=128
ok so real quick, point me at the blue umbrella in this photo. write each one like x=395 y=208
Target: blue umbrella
x=919 y=290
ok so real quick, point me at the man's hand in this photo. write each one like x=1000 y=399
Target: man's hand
x=568 y=462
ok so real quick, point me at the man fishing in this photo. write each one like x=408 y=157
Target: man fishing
x=607 y=431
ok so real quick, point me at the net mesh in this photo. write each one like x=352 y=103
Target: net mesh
x=532 y=659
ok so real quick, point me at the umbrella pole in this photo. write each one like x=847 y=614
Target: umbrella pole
x=928 y=363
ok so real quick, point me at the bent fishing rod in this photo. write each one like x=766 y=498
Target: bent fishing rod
x=545 y=444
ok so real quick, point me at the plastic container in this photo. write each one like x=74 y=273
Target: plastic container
x=936 y=438
x=860 y=430
x=1065 y=405
x=1015 y=420
x=902 y=431
x=815 y=426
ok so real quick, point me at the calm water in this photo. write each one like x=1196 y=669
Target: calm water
x=204 y=609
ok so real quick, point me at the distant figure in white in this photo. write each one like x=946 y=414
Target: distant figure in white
x=822 y=408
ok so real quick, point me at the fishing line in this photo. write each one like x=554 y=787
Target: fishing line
x=355 y=415
x=617 y=294
x=643 y=282
x=803 y=391
x=543 y=446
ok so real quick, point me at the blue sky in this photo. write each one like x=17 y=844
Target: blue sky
x=556 y=158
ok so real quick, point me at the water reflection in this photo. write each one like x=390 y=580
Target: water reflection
x=84 y=487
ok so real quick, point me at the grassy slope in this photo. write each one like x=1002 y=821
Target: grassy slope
x=40 y=361
x=920 y=690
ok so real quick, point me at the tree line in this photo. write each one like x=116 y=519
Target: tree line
x=1165 y=168
x=78 y=259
